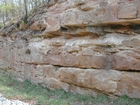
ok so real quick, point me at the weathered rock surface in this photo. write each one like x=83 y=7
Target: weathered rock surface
x=83 y=46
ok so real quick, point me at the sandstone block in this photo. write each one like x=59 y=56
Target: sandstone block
x=53 y=25
x=38 y=25
x=127 y=11
x=86 y=7
x=90 y=78
x=53 y=83
x=126 y=60
x=129 y=84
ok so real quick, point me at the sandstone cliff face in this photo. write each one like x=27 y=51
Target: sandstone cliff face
x=83 y=46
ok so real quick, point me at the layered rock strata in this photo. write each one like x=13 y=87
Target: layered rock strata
x=83 y=46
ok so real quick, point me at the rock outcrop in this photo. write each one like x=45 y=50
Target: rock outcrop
x=83 y=46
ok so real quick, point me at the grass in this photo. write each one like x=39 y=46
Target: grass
x=1 y=25
x=25 y=91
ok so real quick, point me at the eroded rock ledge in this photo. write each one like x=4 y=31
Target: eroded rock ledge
x=82 y=46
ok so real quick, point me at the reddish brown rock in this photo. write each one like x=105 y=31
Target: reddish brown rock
x=129 y=84
x=90 y=78
x=53 y=26
x=53 y=83
x=38 y=26
x=126 y=60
